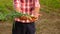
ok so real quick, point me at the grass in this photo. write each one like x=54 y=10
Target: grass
x=48 y=23
x=51 y=3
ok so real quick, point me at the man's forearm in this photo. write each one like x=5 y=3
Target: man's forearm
x=37 y=9
x=18 y=9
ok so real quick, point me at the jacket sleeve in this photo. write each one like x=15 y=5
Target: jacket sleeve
x=37 y=3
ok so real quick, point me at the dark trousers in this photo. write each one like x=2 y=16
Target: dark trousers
x=20 y=28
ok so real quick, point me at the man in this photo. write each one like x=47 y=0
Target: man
x=27 y=26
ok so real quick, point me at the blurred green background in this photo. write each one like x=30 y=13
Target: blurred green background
x=48 y=23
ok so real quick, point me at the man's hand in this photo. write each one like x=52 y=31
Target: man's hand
x=36 y=14
x=32 y=19
x=23 y=18
x=18 y=9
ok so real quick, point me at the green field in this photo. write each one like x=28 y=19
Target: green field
x=48 y=23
